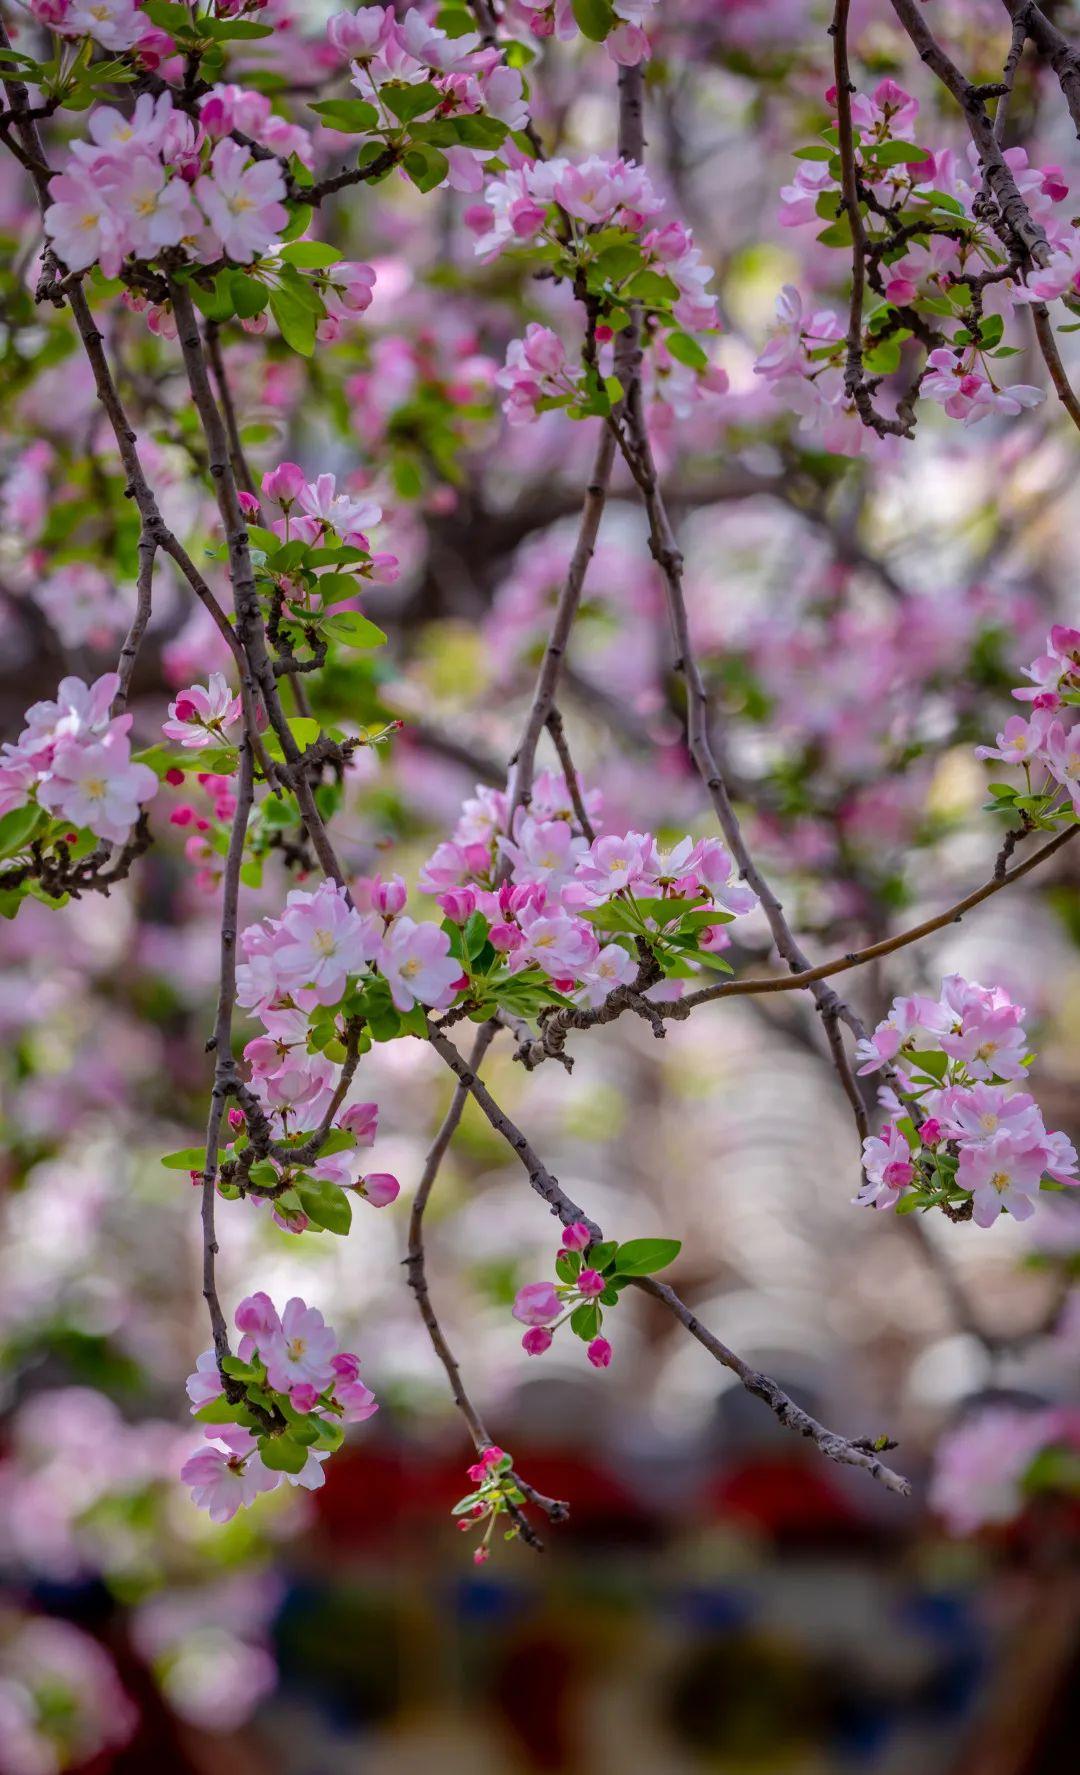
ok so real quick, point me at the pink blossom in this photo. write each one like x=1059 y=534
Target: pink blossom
x=599 y=1352
x=887 y=1167
x=1000 y=1175
x=577 y=1236
x=241 y=200
x=591 y=1283
x=320 y=941
x=205 y=1384
x=199 y=715
x=222 y=1480
x=93 y=783
x=543 y=851
x=416 y=961
x=536 y=1340
x=301 y=1350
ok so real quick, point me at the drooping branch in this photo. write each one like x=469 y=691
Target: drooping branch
x=859 y=1453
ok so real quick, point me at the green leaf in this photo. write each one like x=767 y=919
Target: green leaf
x=299 y=221
x=236 y=29
x=295 y=322
x=642 y=1257
x=652 y=287
x=282 y=1455
x=352 y=117
x=568 y=1266
x=687 y=351
x=18 y=827
x=426 y=166
x=585 y=1321
x=249 y=296
x=407 y=102
x=218 y=1411
x=837 y=234
x=932 y=1062
x=354 y=630
x=311 y=255
x=325 y=1204
x=475 y=933
x=217 y=302
x=168 y=15
x=602 y=1254
x=189 y=1158
x=595 y=19
x=896 y=154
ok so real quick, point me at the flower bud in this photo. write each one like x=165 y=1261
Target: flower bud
x=380 y=1188
x=576 y=1236
x=536 y=1303
x=536 y=1340
x=284 y=483
x=599 y=1353
x=361 y=1120
x=591 y=1283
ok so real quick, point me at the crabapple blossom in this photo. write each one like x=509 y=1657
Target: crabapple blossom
x=415 y=959
x=199 y=715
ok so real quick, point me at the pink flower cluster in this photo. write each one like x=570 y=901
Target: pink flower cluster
x=469 y=78
x=307 y=956
x=962 y=1135
x=152 y=181
x=544 y=1306
x=316 y=512
x=532 y=199
x=982 y=1465
x=62 y=1704
x=627 y=44
x=1050 y=740
x=296 y=1356
x=75 y=760
x=536 y=913
x=802 y=364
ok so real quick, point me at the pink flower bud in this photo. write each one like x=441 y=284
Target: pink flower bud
x=477 y=1473
x=380 y=1188
x=237 y=1119
x=599 y=1353
x=182 y=816
x=458 y=903
x=481 y=1555
x=492 y=1456
x=175 y=777
x=345 y=1365
x=388 y=897
x=930 y=1132
x=536 y=1340
x=591 y=1283
x=258 y=1315
x=185 y=710
x=249 y=504
x=284 y=483
x=304 y=1397
x=361 y=1120
x=506 y=938
x=536 y=1304
x=576 y=1236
